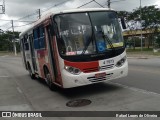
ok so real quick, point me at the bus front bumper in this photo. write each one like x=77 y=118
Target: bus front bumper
x=70 y=80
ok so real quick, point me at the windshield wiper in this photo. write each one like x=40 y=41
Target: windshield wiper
x=105 y=37
x=87 y=44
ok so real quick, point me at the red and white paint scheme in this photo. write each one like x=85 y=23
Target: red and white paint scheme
x=75 y=48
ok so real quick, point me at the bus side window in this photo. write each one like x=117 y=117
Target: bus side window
x=26 y=45
x=42 y=38
x=39 y=38
x=35 y=36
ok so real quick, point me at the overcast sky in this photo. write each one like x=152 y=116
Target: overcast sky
x=16 y=9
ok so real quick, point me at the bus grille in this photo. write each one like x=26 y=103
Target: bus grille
x=88 y=70
x=94 y=79
x=107 y=67
x=96 y=69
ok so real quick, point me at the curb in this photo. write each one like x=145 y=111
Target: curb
x=142 y=57
x=138 y=57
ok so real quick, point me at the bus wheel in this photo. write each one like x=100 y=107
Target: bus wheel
x=49 y=82
x=30 y=72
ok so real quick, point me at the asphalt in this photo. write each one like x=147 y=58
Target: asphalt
x=19 y=92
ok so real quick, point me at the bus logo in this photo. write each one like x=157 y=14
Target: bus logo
x=6 y=114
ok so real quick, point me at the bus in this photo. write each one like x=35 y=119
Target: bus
x=73 y=48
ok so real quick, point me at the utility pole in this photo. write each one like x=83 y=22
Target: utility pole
x=109 y=3
x=141 y=25
x=2 y=7
x=14 y=42
x=39 y=13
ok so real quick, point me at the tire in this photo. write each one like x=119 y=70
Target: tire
x=30 y=72
x=49 y=82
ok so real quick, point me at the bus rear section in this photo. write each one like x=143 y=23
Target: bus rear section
x=82 y=47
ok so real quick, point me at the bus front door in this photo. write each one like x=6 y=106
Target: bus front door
x=52 y=55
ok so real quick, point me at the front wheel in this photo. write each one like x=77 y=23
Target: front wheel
x=49 y=82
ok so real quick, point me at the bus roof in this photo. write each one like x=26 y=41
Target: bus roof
x=63 y=12
x=83 y=10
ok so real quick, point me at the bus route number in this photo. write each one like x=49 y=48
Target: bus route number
x=108 y=62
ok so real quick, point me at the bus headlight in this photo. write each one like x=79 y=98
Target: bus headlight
x=121 y=62
x=72 y=70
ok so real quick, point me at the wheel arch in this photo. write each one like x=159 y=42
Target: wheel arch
x=45 y=69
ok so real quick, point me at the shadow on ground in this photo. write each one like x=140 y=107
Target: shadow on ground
x=83 y=91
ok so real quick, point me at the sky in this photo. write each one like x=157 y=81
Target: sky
x=16 y=9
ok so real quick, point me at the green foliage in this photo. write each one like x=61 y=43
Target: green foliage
x=151 y=20
x=150 y=16
x=124 y=14
x=6 y=41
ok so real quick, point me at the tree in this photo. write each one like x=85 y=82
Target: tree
x=150 y=20
x=6 y=41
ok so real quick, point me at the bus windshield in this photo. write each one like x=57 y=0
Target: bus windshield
x=88 y=33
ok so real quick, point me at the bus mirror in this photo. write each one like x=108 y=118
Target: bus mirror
x=123 y=23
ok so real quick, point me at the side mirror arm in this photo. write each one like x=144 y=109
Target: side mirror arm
x=123 y=23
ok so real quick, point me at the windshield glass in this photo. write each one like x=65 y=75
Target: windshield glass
x=88 y=33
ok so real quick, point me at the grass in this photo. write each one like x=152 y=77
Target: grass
x=3 y=53
x=145 y=51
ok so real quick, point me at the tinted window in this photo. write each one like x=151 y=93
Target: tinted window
x=26 y=45
x=39 y=38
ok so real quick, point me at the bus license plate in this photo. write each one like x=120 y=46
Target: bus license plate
x=99 y=75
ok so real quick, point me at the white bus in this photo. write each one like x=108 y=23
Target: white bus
x=74 y=48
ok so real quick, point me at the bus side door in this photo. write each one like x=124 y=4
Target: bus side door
x=33 y=59
x=52 y=56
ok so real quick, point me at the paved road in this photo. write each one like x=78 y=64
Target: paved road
x=137 y=92
x=143 y=74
